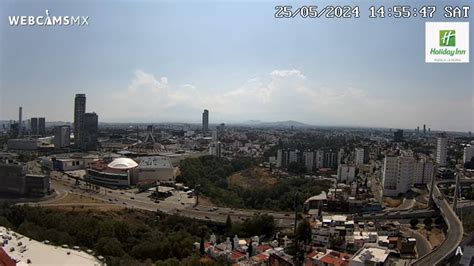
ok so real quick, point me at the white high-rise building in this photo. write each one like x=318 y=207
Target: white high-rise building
x=346 y=173
x=215 y=148
x=361 y=156
x=424 y=171
x=62 y=137
x=319 y=159
x=442 y=150
x=468 y=153
x=340 y=156
x=398 y=174
x=214 y=135
x=293 y=155
x=308 y=159
x=279 y=158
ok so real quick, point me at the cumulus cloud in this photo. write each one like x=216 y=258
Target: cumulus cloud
x=279 y=95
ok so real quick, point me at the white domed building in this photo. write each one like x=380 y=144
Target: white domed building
x=121 y=172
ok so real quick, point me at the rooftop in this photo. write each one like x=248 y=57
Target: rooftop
x=122 y=163
x=21 y=249
x=371 y=254
x=155 y=162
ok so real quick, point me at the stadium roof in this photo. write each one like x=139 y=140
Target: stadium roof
x=122 y=163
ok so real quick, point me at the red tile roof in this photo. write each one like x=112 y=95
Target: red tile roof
x=5 y=260
x=236 y=255
x=263 y=248
x=336 y=258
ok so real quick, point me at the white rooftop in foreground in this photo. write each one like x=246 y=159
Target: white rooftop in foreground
x=42 y=254
x=370 y=255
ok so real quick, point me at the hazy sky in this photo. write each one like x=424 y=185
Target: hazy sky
x=163 y=61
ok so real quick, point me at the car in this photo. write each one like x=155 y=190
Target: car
x=157 y=201
x=110 y=199
x=122 y=193
x=211 y=210
x=132 y=198
x=410 y=210
x=124 y=203
x=196 y=209
x=182 y=203
x=207 y=217
x=286 y=214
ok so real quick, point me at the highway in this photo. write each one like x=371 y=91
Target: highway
x=453 y=236
x=178 y=203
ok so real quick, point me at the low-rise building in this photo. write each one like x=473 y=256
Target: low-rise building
x=155 y=168
x=15 y=181
x=370 y=256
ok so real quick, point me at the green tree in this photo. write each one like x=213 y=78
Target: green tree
x=297 y=167
x=414 y=222
x=303 y=232
x=228 y=225
x=108 y=246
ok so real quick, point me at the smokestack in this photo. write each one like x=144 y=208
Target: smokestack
x=19 y=121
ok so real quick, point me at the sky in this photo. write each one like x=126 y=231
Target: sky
x=166 y=61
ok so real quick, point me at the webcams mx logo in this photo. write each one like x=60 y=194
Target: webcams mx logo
x=447 y=38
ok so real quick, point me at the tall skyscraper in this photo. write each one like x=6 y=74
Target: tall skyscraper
x=91 y=131
x=41 y=125
x=442 y=150
x=20 y=122
x=205 y=121
x=34 y=126
x=79 y=111
x=424 y=129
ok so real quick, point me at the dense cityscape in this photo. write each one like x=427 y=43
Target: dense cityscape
x=256 y=193
x=243 y=133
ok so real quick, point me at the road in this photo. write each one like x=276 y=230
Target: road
x=178 y=204
x=453 y=236
x=423 y=246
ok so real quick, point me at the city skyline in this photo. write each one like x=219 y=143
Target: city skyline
x=169 y=67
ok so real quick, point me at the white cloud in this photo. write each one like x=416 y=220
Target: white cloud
x=279 y=95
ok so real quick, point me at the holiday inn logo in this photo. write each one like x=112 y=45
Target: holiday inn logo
x=447 y=38
x=447 y=42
